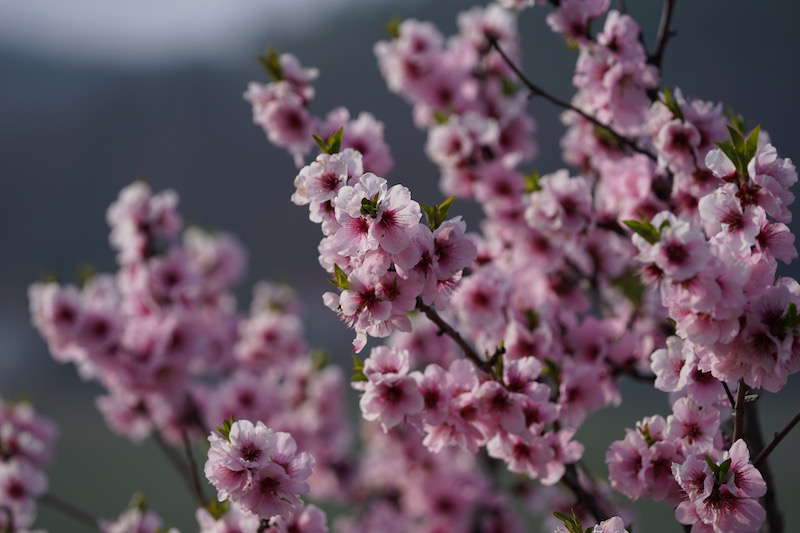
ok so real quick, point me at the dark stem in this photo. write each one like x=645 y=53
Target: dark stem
x=583 y=497
x=538 y=91
x=664 y=33
x=448 y=330
x=197 y=486
x=10 y=525
x=176 y=461
x=73 y=511
x=738 y=413
x=755 y=443
x=779 y=436
x=729 y=394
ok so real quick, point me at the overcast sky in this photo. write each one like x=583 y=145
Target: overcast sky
x=144 y=30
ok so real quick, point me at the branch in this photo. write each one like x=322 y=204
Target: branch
x=664 y=33
x=66 y=508
x=755 y=442
x=583 y=497
x=448 y=330
x=779 y=436
x=177 y=463
x=738 y=421
x=729 y=394
x=538 y=91
x=197 y=486
x=10 y=524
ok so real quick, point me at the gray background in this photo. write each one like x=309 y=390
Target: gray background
x=96 y=93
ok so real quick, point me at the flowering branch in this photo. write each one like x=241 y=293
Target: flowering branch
x=538 y=91
x=664 y=33
x=68 y=509
x=584 y=498
x=451 y=332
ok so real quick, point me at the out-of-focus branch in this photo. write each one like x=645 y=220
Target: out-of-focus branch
x=69 y=509
x=755 y=442
x=779 y=436
x=664 y=33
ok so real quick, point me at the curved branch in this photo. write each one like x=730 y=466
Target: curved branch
x=779 y=436
x=738 y=413
x=584 y=498
x=451 y=332
x=196 y=485
x=664 y=33
x=68 y=509
x=538 y=91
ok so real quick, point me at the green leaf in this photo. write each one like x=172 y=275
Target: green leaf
x=606 y=137
x=631 y=287
x=644 y=430
x=724 y=468
x=218 y=509
x=792 y=319
x=85 y=273
x=392 y=27
x=532 y=182
x=729 y=150
x=339 y=278
x=645 y=229
x=571 y=523
x=271 y=61
x=508 y=87
x=332 y=144
x=369 y=207
x=138 y=501
x=319 y=360
x=531 y=319
x=751 y=145
x=441 y=117
x=225 y=428
x=668 y=99
x=499 y=363
x=734 y=119
x=358 y=370
x=437 y=214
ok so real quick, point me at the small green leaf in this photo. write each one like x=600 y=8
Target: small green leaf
x=792 y=319
x=392 y=27
x=271 y=61
x=571 y=523
x=499 y=363
x=441 y=117
x=332 y=144
x=85 y=273
x=734 y=119
x=531 y=319
x=606 y=137
x=218 y=509
x=339 y=278
x=668 y=99
x=724 y=468
x=631 y=287
x=437 y=214
x=225 y=428
x=508 y=87
x=532 y=182
x=751 y=144
x=644 y=229
x=358 y=370
x=369 y=208
x=138 y=501
x=644 y=430
x=319 y=360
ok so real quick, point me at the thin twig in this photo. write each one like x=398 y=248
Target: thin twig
x=198 y=487
x=175 y=461
x=779 y=436
x=755 y=443
x=538 y=91
x=10 y=524
x=729 y=394
x=450 y=331
x=69 y=509
x=664 y=33
x=738 y=420
x=584 y=498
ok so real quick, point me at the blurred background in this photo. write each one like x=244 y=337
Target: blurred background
x=96 y=93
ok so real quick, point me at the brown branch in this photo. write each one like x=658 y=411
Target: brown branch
x=68 y=509
x=177 y=463
x=664 y=33
x=197 y=486
x=729 y=394
x=755 y=443
x=583 y=497
x=738 y=413
x=779 y=436
x=535 y=90
x=451 y=332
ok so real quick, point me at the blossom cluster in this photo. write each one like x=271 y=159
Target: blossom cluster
x=26 y=446
x=281 y=108
x=258 y=469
